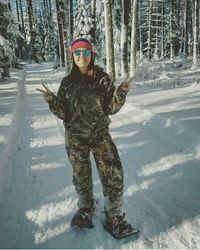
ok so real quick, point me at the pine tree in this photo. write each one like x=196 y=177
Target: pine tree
x=109 y=39
x=196 y=33
x=141 y=27
x=60 y=18
x=133 y=37
x=173 y=30
x=93 y=28
x=40 y=36
x=149 y=36
x=19 y=49
x=22 y=20
x=71 y=17
x=117 y=37
x=67 y=36
x=83 y=24
x=185 y=29
x=32 y=26
x=124 y=36
x=100 y=36
x=48 y=31
x=8 y=34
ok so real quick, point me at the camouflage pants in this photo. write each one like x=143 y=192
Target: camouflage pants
x=108 y=165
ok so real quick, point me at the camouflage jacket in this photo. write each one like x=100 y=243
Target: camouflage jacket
x=85 y=105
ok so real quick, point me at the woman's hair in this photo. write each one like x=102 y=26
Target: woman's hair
x=75 y=73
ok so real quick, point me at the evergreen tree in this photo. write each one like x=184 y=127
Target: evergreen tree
x=19 y=47
x=196 y=33
x=47 y=30
x=133 y=37
x=83 y=24
x=173 y=28
x=117 y=37
x=100 y=35
x=93 y=13
x=40 y=35
x=8 y=34
x=60 y=20
x=124 y=36
x=109 y=39
x=32 y=31
x=71 y=18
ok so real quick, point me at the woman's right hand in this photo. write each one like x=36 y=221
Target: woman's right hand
x=47 y=94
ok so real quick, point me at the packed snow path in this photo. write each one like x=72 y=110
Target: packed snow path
x=157 y=134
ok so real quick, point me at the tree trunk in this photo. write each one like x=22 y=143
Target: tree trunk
x=162 y=31
x=17 y=7
x=66 y=24
x=178 y=11
x=31 y=25
x=71 y=20
x=93 y=30
x=18 y=50
x=60 y=13
x=124 y=37
x=134 y=38
x=109 y=39
x=173 y=11
x=149 y=41
x=157 y=31
x=50 y=7
x=185 y=27
x=196 y=32
x=22 y=19
x=140 y=28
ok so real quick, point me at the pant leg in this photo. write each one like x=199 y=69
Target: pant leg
x=78 y=154
x=111 y=174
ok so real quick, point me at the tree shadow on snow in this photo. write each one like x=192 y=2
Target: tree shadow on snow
x=161 y=180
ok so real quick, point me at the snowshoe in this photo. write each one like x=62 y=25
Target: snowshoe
x=83 y=218
x=119 y=228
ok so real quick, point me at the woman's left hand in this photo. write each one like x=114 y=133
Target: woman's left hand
x=126 y=83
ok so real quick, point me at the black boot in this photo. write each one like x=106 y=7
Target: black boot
x=83 y=218
x=119 y=228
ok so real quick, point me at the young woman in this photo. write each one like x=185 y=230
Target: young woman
x=85 y=99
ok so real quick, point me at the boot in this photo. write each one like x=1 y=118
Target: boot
x=118 y=227
x=83 y=218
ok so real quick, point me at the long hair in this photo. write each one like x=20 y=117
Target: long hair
x=75 y=73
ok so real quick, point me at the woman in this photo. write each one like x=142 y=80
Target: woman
x=85 y=100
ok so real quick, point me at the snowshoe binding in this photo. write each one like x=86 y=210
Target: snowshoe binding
x=119 y=228
x=83 y=218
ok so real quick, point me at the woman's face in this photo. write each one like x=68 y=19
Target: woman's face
x=82 y=57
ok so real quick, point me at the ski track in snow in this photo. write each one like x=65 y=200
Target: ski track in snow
x=159 y=152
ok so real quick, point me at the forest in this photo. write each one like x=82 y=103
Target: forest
x=153 y=43
x=123 y=32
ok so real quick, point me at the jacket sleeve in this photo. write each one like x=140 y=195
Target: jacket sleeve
x=115 y=97
x=59 y=105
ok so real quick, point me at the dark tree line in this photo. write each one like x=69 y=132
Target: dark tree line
x=121 y=30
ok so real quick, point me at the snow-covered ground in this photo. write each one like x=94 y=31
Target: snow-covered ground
x=157 y=133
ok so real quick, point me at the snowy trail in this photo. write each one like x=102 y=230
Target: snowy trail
x=165 y=177
x=159 y=153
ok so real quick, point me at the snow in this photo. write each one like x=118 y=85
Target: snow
x=157 y=135
x=2 y=40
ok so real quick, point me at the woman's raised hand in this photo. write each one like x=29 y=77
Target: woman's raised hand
x=47 y=94
x=126 y=83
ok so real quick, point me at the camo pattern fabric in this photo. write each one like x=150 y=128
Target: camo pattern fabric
x=85 y=105
x=108 y=165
